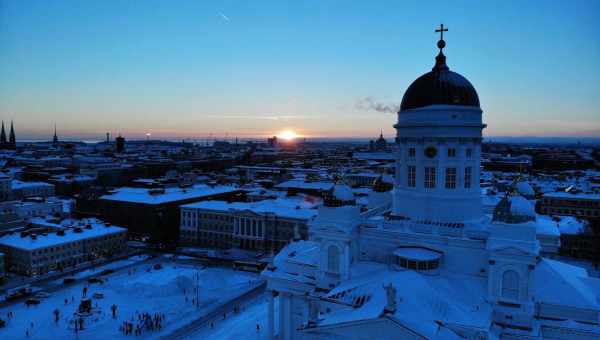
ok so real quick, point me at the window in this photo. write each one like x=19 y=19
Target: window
x=510 y=285
x=429 y=177
x=412 y=152
x=412 y=176
x=450 y=178
x=468 y=177
x=333 y=259
x=469 y=153
x=452 y=152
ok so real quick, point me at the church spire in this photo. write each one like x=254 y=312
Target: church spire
x=3 y=135
x=55 y=138
x=11 y=137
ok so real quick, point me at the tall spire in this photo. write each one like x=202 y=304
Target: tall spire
x=55 y=138
x=11 y=137
x=3 y=135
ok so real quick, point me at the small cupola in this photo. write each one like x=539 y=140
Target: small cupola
x=339 y=195
x=514 y=209
x=383 y=184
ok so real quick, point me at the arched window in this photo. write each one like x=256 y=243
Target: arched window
x=333 y=259
x=510 y=284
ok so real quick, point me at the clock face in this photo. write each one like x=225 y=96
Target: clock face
x=430 y=152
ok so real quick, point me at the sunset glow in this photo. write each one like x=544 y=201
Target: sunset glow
x=288 y=135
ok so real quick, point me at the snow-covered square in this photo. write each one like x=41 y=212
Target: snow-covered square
x=161 y=290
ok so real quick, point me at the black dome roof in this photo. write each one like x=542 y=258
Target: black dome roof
x=440 y=86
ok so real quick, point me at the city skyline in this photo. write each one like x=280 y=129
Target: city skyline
x=191 y=70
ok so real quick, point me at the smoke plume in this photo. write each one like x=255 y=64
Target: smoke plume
x=369 y=104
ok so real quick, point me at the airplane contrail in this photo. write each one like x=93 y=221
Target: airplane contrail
x=224 y=17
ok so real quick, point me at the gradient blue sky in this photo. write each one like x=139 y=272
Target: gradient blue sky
x=254 y=68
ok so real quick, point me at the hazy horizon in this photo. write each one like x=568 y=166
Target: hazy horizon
x=188 y=69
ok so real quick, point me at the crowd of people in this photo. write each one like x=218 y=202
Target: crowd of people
x=143 y=322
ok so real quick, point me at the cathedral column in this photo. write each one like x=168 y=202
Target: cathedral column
x=271 y=317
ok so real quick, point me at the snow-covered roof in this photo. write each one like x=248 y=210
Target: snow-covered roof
x=301 y=184
x=71 y=178
x=373 y=155
x=301 y=251
x=562 y=194
x=296 y=262
x=145 y=196
x=421 y=300
x=53 y=239
x=363 y=174
x=16 y=184
x=546 y=226
x=291 y=208
x=560 y=283
x=565 y=224
x=417 y=254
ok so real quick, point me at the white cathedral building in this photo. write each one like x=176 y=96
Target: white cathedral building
x=425 y=262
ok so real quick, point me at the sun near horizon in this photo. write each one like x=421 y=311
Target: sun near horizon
x=288 y=135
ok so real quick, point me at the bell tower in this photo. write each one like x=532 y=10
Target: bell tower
x=438 y=148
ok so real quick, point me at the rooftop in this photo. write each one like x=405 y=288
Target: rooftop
x=301 y=184
x=16 y=184
x=168 y=195
x=53 y=239
x=291 y=208
x=562 y=194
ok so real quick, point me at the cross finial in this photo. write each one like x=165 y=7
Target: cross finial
x=442 y=30
x=441 y=43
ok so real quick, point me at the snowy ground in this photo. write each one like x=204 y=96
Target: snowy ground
x=136 y=289
x=241 y=325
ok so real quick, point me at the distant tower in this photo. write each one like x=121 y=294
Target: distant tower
x=120 y=144
x=55 y=138
x=107 y=138
x=3 y=136
x=12 y=141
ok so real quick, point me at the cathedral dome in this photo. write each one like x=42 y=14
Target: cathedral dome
x=525 y=189
x=514 y=209
x=439 y=87
x=339 y=195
